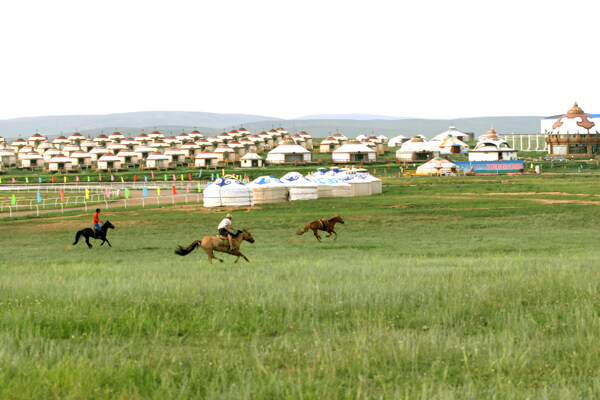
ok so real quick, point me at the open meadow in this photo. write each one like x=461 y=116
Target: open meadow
x=453 y=287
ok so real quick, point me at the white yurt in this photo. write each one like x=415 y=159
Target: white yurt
x=115 y=147
x=227 y=191
x=7 y=157
x=437 y=166
x=452 y=145
x=268 y=189
x=416 y=149
x=109 y=162
x=35 y=140
x=69 y=149
x=299 y=187
x=157 y=160
x=143 y=152
x=397 y=141
x=129 y=158
x=97 y=152
x=359 y=187
x=32 y=160
x=289 y=153
x=176 y=156
x=453 y=132
x=81 y=158
x=376 y=184
x=354 y=152
x=48 y=154
x=251 y=160
x=60 y=163
x=206 y=159
x=324 y=189
x=339 y=188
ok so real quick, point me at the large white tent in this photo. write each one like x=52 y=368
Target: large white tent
x=324 y=189
x=268 y=189
x=289 y=153
x=437 y=166
x=354 y=151
x=339 y=188
x=452 y=132
x=299 y=188
x=376 y=184
x=359 y=187
x=227 y=191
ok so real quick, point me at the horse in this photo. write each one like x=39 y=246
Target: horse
x=322 y=225
x=215 y=243
x=88 y=233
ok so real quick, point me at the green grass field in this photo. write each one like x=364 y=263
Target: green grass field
x=466 y=288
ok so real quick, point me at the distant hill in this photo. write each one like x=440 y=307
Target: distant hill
x=358 y=117
x=174 y=122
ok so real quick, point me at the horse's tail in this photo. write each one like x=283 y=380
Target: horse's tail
x=77 y=237
x=185 y=251
x=301 y=231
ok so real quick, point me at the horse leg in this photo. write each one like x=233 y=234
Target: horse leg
x=329 y=233
x=87 y=241
x=335 y=238
x=242 y=256
x=210 y=254
x=107 y=242
x=317 y=235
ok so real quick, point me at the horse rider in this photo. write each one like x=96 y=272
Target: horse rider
x=226 y=230
x=96 y=223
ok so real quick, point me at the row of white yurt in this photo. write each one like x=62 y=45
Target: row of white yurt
x=228 y=191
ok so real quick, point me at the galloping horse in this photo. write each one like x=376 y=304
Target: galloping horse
x=214 y=243
x=89 y=233
x=322 y=225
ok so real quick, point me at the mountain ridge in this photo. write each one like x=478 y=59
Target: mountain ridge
x=174 y=122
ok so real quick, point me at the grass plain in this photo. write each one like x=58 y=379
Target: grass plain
x=462 y=287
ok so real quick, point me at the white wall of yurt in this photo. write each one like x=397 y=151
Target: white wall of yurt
x=299 y=187
x=268 y=189
x=227 y=192
x=359 y=187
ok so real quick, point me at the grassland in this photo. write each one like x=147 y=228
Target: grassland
x=470 y=288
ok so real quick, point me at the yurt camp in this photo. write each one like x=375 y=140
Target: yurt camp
x=227 y=191
x=7 y=157
x=299 y=187
x=354 y=152
x=268 y=189
x=129 y=158
x=289 y=153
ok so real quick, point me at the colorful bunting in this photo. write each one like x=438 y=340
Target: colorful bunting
x=158 y=191
x=106 y=192
x=39 y=197
x=174 y=191
x=87 y=194
x=62 y=195
x=126 y=193
x=145 y=191
x=14 y=200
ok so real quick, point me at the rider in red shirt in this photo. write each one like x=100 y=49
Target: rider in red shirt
x=96 y=221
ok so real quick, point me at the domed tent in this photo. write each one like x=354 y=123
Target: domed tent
x=289 y=153
x=453 y=132
x=437 y=166
x=376 y=186
x=227 y=191
x=354 y=151
x=452 y=145
x=299 y=187
x=360 y=187
x=268 y=189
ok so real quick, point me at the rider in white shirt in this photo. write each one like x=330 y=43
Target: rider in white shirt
x=225 y=229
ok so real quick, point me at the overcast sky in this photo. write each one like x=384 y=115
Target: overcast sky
x=427 y=59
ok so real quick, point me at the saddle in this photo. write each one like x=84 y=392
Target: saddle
x=223 y=241
x=324 y=224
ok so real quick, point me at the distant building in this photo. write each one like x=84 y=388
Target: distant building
x=574 y=134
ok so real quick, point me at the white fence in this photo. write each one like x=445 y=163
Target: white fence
x=97 y=195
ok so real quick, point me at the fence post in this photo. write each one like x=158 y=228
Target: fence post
x=38 y=210
x=9 y=211
x=157 y=201
x=62 y=209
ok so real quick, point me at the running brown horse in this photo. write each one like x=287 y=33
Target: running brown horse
x=88 y=233
x=326 y=225
x=215 y=243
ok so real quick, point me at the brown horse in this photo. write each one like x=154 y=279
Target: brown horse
x=322 y=225
x=214 y=243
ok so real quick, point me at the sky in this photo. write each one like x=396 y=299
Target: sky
x=286 y=59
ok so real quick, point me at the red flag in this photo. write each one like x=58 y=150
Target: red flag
x=399 y=175
x=62 y=195
x=385 y=171
x=374 y=171
x=53 y=179
x=99 y=176
x=190 y=176
x=135 y=178
x=152 y=174
x=174 y=191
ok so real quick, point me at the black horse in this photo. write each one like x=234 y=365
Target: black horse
x=89 y=233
